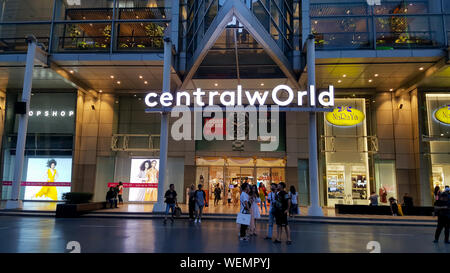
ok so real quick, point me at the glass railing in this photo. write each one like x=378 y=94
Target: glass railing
x=13 y=36
x=379 y=32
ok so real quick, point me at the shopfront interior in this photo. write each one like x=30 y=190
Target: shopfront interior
x=228 y=173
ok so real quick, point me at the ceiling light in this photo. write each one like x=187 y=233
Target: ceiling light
x=370 y=80
x=146 y=82
x=101 y=91
x=141 y=77
x=112 y=76
x=376 y=75
x=421 y=68
x=339 y=81
x=135 y=95
x=118 y=82
x=71 y=71
x=344 y=76
x=216 y=84
x=262 y=84
x=392 y=89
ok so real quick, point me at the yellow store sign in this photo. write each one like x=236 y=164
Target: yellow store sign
x=443 y=114
x=345 y=116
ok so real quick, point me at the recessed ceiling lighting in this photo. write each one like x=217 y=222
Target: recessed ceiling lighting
x=141 y=77
x=339 y=81
x=421 y=68
x=344 y=76
x=376 y=75
x=118 y=82
x=135 y=95
x=146 y=82
x=71 y=71
x=392 y=89
x=101 y=91
x=370 y=80
x=216 y=84
x=112 y=76
x=262 y=84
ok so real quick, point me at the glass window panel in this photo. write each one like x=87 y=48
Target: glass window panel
x=12 y=37
x=26 y=10
x=261 y=14
x=140 y=36
x=83 y=37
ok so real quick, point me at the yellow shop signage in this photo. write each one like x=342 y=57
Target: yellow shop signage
x=345 y=116
x=443 y=114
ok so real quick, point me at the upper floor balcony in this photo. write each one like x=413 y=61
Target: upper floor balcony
x=395 y=24
x=84 y=26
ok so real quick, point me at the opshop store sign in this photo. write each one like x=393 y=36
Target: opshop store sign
x=443 y=114
x=345 y=116
x=135 y=185
x=39 y=184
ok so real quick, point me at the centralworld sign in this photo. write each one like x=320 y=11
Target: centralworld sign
x=241 y=115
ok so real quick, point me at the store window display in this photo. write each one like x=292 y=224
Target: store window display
x=438 y=120
x=346 y=168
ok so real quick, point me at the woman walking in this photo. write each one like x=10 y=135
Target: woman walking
x=293 y=195
x=191 y=202
x=254 y=210
x=441 y=210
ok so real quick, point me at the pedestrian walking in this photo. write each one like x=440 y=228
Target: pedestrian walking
x=191 y=202
x=229 y=197
x=111 y=197
x=373 y=199
x=200 y=203
x=282 y=206
x=271 y=199
x=217 y=193
x=245 y=208
x=171 y=202
x=293 y=195
x=120 y=193
x=262 y=196
x=394 y=206
x=437 y=192
x=254 y=210
x=442 y=211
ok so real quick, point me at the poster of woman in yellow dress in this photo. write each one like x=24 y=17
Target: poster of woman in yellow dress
x=144 y=171
x=51 y=175
x=49 y=170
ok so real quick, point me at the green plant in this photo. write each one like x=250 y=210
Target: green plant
x=77 y=197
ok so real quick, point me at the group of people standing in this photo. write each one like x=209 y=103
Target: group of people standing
x=113 y=194
x=281 y=205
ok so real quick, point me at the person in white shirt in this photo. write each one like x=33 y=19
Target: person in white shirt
x=271 y=200
x=293 y=194
x=245 y=207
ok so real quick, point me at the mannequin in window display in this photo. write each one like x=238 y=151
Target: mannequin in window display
x=383 y=194
x=51 y=175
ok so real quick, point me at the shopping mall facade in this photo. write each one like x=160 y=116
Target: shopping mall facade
x=388 y=63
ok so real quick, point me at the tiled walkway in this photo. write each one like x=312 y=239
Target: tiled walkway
x=219 y=209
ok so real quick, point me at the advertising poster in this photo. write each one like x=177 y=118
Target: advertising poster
x=145 y=171
x=47 y=178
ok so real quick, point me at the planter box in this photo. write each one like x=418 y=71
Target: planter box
x=382 y=210
x=75 y=210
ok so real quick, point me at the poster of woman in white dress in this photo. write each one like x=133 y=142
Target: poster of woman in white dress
x=144 y=171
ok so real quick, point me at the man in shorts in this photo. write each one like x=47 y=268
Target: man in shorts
x=282 y=205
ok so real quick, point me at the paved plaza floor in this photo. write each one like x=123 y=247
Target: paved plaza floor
x=50 y=235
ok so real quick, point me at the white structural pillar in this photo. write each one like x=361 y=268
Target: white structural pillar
x=314 y=209
x=164 y=135
x=15 y=202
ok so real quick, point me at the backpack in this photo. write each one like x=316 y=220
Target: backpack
x=277 y=204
